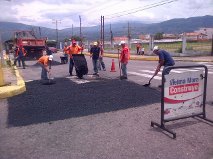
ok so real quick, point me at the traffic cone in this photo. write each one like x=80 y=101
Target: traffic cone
x=113 y=66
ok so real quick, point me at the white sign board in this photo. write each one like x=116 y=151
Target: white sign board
x=183 y=94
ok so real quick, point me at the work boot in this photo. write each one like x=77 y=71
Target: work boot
x=123 y=77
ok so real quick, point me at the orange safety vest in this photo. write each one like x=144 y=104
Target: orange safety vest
x=73 y=50
x=66 y=51
x=23 y=51
x=125 y=55
x=44 y=60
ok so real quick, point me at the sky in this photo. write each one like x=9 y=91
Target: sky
x=45 y=13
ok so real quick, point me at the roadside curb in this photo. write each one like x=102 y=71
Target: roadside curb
x=141 y=58
x=155 y=58
x=9 y=91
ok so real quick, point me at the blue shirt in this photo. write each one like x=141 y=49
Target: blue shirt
x=166 y=57
x=95 y=51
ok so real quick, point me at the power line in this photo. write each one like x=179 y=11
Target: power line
x=137 y=8
x=101 y=7
x=153 y=6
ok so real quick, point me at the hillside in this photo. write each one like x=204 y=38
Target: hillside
x=119 y=29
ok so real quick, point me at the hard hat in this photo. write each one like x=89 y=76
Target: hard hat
x=122 y=42
x=155 y=48
x=51 y=57
x=95 y=43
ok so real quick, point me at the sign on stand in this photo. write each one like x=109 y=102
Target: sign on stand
x=183 y=95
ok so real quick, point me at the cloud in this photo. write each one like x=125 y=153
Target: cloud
x=42 y=12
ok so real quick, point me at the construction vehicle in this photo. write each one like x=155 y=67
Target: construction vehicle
x=31 y=44
x=28 y=40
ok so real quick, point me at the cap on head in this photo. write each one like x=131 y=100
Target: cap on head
x=155 y=48
x=51 y=57
x=122 y=42
x=95 y=43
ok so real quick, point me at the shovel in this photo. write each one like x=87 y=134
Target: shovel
x=146 y=85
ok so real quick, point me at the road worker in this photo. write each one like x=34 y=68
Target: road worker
x=124 y=58
x=72 y=49
x=20 y=56
x=44 y=62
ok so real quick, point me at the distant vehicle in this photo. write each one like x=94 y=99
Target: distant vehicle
x=53 y=49
x=31 y=44
x=52 y=45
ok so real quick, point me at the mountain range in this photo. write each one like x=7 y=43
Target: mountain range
x=175 y=26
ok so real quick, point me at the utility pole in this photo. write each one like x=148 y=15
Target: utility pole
x=56 y=29
x=129 y=35
x=81 y=44
x=111 y=36
x=101 y=38
x=102 y=30
x=80 y=27
x=72 y=30
x=39 y=29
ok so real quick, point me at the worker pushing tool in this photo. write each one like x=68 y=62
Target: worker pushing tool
x=73 y=49
x=165 y=60
x=44 y=62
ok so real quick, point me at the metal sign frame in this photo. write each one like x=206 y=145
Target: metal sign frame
x=201 y=115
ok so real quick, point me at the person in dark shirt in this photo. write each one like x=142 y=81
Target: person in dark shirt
x=165 y=59
x=95 y=53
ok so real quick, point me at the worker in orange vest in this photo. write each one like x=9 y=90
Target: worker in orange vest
x=20 y=55
x=124 y=58
x=72 y=49
x=44 y=62
x=138 y=47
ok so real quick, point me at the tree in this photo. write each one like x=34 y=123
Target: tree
x=77 y=38
x=158 y=36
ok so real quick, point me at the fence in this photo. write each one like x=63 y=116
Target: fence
x=174 y=46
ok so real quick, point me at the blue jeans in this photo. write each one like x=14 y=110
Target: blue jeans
x=20 y=59
x=95 y=65
x=101 y=64
x=167 y=71
x=124 y=69
x=44 y=73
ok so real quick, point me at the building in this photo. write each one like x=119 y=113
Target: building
x=117 y=40
x=195 y=36
x=170 y=36
x=144 y=37
x=206 y=31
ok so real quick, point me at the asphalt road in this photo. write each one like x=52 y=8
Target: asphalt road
x=97 y=118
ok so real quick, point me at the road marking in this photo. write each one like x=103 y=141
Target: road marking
x=144 y=75
x=29 y=81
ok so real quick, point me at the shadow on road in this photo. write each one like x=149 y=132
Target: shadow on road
x=66 y=99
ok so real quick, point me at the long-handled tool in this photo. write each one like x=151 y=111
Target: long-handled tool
x=156 y=72
x=119 y=63
x=146 y=85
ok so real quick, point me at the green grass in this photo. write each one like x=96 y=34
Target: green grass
x=204 y=46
